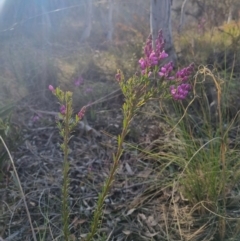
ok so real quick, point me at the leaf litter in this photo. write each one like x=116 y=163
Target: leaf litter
x=142 y=205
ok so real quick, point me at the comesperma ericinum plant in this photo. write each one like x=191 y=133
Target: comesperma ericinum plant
x=153 y=81
x=66 y=125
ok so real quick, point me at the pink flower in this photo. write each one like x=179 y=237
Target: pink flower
x=143 y=72
x=51 y=88
x=163 y=55
x=63 y=110
x=118 y=77
x=166 y=70
x=173 y=90
x=153 y=59
x=180 y=92
x=81 y=113
x=184 y=74
x=148 y=47
x=78 y=81
x=35 y=118
x=143 y=63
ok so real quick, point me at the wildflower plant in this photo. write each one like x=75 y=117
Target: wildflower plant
x=66 y=125
x=152 y=82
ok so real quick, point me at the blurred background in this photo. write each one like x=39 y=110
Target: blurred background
x=79 y=45
x=59 y=41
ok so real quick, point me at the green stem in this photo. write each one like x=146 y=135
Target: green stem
x=65 y=206
x=109 y=181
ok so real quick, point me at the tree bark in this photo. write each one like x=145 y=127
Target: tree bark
x=182 y=15
x=160 y=19
x=88 y=22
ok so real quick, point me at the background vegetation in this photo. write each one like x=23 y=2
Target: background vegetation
x=178 y=178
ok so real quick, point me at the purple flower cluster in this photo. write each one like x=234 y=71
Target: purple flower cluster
x=150 y=63
x=184 y=74
x=81 y=113
x=180 y=92
x=166 y=70
x=78 y=81
x=63 y=109
x=152 y=57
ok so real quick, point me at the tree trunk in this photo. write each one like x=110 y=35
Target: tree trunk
x=182 y=16
x=88 y=22
x=110 y=20
x=160 y=19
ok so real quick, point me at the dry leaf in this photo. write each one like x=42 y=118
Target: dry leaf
x=84 y=235
x=142 y=216
x=32 y=204
x=88 y=129
x=150 y=235
x=126 y=232
x=77 y=221
x=145 y=173
x=151 y=221
x=176 y=198
x=120 y=168
x=130 y=211
x=129 y=169
x=72 y=237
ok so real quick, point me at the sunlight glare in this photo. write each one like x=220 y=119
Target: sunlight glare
x=1 y=4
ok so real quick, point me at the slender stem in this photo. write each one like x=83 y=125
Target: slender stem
x=21 y=190
x=65 y=206
x=109 y=181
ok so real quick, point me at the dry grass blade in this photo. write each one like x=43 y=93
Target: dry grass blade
x=21 y=190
